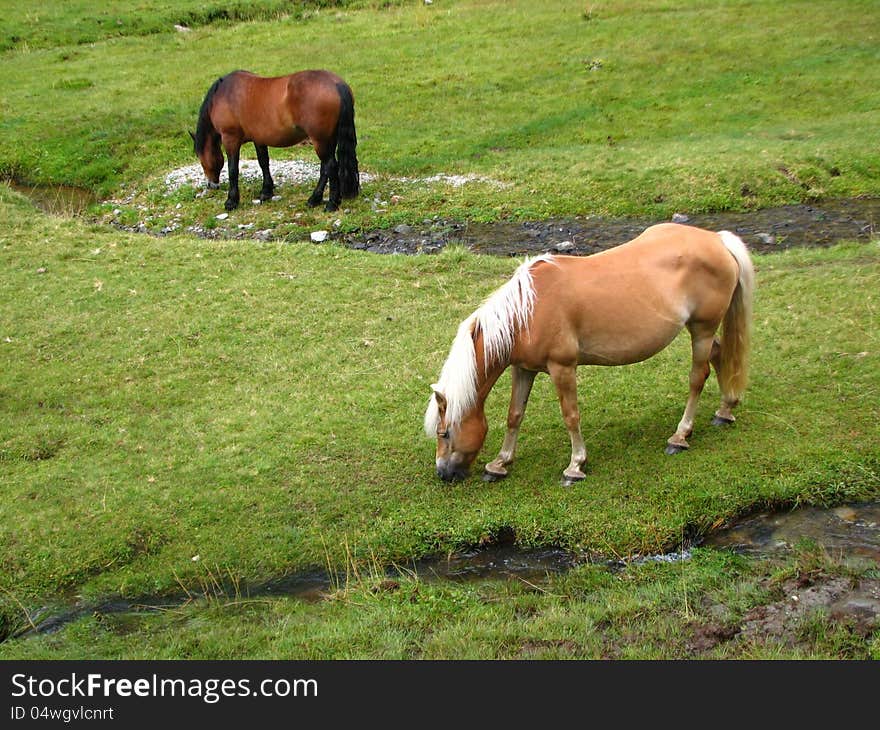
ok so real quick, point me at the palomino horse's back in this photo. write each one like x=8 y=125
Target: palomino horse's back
x=627 y=303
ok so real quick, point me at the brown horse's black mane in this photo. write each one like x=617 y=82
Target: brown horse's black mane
x=204 y=126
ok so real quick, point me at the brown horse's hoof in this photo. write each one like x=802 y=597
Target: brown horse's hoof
x=721 y=421
x=330 y=207
x=230 y=204
x=673 y=449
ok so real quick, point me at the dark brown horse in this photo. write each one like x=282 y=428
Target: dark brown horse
x=280 y=112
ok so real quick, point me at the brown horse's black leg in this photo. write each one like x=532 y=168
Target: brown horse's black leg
x=333 y=179
x=232 y=162
x=268 y=189
x=318 y=195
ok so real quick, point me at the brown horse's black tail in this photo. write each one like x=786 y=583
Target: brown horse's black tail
x=346 y=144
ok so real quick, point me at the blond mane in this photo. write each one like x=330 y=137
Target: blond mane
x=504 y=312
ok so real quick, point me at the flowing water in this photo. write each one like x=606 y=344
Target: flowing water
x=849 y=531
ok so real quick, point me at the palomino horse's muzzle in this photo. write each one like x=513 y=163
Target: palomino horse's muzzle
x=452 y=472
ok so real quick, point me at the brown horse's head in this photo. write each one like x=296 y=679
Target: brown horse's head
x=457 y=444
x=207 y=149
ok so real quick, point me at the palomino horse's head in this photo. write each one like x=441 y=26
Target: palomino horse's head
x=211 y=157
x=457 y=443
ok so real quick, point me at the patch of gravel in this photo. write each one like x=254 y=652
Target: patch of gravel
x=455 y=181
x=302 y=171
x=283 y=171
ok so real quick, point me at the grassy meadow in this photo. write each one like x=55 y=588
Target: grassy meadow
x=178 y=408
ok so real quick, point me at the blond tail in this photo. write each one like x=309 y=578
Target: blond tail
x=736 y=339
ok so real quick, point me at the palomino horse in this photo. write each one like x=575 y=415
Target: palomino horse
x=617 y=307
x=279 y=112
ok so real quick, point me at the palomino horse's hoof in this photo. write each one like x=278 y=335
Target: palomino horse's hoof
x=721 y=421
x=571 y=481
x=491 y=476
x=673 y=449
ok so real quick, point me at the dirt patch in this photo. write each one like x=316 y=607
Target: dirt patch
x=832 y=600
x=771 y=229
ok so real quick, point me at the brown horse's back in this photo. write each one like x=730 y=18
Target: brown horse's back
x=277 y=111
x=628 y=303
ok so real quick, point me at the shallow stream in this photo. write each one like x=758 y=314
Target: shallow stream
x=850 y=531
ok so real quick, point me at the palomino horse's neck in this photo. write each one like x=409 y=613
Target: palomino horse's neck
x=482 y=346
x=488 y=369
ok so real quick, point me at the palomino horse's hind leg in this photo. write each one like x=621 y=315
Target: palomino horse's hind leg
x=724 y=415
x=564 y=377
x=701 y=348
x=520 y=388
x=268 y=189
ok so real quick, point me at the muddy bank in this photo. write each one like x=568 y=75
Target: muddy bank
x=821 y=223
x=771 y=229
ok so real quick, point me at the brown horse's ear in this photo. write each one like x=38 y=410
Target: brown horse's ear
x=440 y=398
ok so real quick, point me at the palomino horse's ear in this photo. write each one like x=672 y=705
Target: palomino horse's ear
x=440 y=398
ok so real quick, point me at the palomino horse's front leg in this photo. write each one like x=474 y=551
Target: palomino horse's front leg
x=564 y=377
x=701 y=349
x=520 y=388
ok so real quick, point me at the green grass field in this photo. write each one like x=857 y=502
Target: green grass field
x=177 y=408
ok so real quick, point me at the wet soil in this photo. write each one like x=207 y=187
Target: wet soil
x=771 y=229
